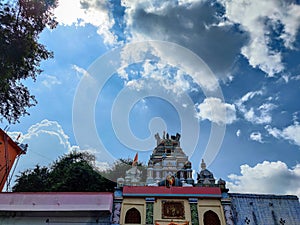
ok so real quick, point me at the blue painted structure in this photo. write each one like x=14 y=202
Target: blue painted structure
x=258 y=209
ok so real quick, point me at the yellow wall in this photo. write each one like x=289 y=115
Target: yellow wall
x=203 y=206
x=210 y=204
x=138 y=203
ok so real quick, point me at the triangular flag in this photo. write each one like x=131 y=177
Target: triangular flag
x=135 y=160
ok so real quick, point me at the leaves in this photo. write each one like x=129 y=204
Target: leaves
x=72 y=172
x=21 y=53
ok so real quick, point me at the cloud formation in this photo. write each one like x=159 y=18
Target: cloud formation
x=264 y=26
x=214 y=110
x=46 y=141
x=259 y=115
x=256 y=136
x=49 y=81
x=82 y=12
x=208 y=28
x=192 y=24
x=266 y=178
x=290 y=133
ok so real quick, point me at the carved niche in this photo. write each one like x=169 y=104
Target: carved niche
x=173 y=210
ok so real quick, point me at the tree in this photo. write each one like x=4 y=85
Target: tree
x=33 y=180
x=21 y=22
x=72 y=172
x=119 y=168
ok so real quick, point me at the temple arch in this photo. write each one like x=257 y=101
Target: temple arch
x=133 y=216
x=211 y=218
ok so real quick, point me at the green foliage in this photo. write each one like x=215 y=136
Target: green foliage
x=21 y=23
x=119 y=168
x=72 y=172
x=33 y=180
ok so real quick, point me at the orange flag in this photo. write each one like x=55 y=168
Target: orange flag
x=135 y=160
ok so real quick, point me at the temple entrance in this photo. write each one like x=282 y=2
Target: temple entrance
x=211 y=218
x=133 y=216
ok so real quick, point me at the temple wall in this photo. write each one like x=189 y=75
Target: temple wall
x=138 y=203
x=265 y=209
x=177 y=210
x=214 y=205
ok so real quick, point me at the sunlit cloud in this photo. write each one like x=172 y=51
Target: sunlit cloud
x=257 y=115
x=260 y=24
x=266 y=177
x=216 y=111
x=290 y=133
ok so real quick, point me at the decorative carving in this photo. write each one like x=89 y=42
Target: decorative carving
x=194 y=214
x=247 y=220
x=158 y=139
x=116 y=214
x=133 y=175
x=149 y=213
x=228 y=215
x=173 y=210
x=282 y=221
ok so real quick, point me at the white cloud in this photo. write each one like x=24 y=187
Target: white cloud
x=46 y=141
x=290 y=133
x=50 y=81
x=171 y=67
x=258 y=18
x=195 y=24
x=238 y=133
x=297 y=77
x=261 y=114
x=216 y=111
x=81 y=12
x=135 y=84
x=192 y=24
x=250 y=95
x=161 y=74
x=80 y=70
x=266 y=178
x=256 y=136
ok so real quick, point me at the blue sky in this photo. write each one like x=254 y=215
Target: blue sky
x=224 y=74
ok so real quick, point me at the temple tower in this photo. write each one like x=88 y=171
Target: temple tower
x=168 y=159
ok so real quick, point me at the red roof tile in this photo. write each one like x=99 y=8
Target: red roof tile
x=152 y=191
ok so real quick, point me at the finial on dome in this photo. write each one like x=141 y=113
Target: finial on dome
x=203 y=165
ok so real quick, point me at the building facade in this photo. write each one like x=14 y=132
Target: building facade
x=60 y=208
x=169 y=196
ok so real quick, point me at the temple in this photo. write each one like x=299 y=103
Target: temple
x=168 y=159
x=170 y=196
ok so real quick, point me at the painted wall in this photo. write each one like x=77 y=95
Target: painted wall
x=255 y=209
x=214 y=205
x=61 y=218
x=203 y=205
